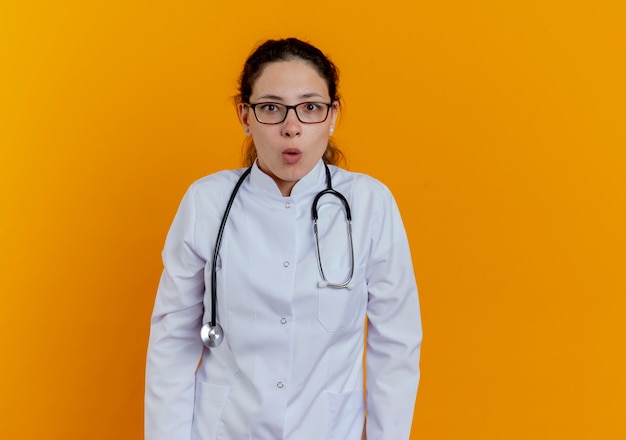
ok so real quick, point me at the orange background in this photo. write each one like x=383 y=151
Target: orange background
x=499 y=126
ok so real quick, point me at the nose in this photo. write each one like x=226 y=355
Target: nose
x=291 y=125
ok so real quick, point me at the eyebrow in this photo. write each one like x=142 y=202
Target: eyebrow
x=280 y=99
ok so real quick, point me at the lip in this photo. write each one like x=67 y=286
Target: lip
x=291 y=155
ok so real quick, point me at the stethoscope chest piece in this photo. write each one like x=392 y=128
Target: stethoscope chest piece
x=211 y=335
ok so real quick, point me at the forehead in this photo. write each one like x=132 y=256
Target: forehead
x=289 y=79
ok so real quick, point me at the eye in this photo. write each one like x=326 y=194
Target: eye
x=268 y=108
x=312 y=107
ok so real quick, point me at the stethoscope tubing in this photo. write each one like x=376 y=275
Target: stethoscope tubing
x=218 y=244
x=329 y=190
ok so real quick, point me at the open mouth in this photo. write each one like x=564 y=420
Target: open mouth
x=291 y=155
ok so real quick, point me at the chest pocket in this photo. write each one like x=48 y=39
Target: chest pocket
x=342 y=308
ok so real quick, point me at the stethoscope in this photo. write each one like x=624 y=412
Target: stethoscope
x=212 y=333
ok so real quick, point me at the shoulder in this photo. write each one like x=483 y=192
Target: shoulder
x=360 y=184
x=215 y=186
x=217 y=180
x=211 y=192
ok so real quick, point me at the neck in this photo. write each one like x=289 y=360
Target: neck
x=284 y=187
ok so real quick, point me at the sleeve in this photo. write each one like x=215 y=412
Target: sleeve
x=175 y=348
x=394 y=331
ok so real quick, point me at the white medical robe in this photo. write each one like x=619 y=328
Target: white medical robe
x=291 y=364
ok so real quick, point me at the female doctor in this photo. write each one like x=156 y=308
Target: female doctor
x=259 y=324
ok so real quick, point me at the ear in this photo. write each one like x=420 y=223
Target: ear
x=244 y=114
x=334 y=112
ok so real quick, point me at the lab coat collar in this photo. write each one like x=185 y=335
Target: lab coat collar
x=312 y=182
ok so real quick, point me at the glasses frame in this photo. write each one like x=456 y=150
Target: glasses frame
x=289 y=107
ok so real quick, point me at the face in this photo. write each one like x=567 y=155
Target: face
x=289 y=150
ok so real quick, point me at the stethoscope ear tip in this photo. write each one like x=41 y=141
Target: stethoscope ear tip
x=322 y=284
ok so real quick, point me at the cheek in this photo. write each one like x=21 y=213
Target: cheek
x=263 y=134
x=322 y=135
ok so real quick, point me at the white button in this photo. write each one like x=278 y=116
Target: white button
x=280 y=385
x=286 y=263
x=287 y=205
x=283 y=321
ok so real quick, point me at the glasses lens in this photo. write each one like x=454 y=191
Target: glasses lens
x=270 y=113
x=312 y=112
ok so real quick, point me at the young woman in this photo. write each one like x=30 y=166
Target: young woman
x=273 y=272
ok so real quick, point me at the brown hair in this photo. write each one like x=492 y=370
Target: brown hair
x=286 y=50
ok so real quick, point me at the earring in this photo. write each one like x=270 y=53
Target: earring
x=332 y=130
x=246 y=131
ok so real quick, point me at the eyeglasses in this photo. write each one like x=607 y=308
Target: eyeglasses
x=306 y=112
